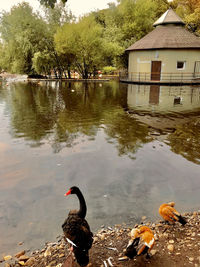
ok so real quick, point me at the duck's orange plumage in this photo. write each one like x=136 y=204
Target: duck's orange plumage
x=142 y=241
x=170 y=214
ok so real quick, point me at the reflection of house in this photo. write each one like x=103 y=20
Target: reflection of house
x=163 y=99
x=168 y=53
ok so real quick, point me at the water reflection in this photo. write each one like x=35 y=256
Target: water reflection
x=54 y=135
x=185 y=140
x=61 y=114
x=176 y=109
x=163 y=99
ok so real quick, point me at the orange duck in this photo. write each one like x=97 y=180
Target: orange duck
x=169 y=214
x=77 y=230
x=142 y=241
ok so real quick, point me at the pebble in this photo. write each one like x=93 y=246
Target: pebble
x=30 y=261
x=7 y=258
x=191 y=259
x=23 y=258
x=52 y=263
x=171 y=241
x=153 y=252
x=48 y=252
x=19 y=254
x=170 y=248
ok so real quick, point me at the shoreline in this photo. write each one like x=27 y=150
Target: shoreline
x=175 y=245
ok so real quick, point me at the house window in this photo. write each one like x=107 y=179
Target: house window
x=180 y=65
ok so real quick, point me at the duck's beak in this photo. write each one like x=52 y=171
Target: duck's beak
x=68 y=193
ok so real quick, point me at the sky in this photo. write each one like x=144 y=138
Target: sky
x=78 y=7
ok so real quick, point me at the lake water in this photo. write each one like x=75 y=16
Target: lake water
x=55 y=135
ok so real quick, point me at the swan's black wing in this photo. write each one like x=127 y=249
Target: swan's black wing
x=78 y=231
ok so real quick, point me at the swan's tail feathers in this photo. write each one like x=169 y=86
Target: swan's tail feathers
x=82 y=256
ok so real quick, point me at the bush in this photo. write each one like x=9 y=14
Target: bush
x=109 y=70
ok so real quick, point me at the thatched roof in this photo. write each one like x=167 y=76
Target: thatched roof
x=168 y=34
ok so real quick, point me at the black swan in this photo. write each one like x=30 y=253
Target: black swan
x=77 y=230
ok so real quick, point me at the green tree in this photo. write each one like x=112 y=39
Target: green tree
x=23 y=33
x=51 y=3
x=43 y=63
x=81 y=42
x=189 y=10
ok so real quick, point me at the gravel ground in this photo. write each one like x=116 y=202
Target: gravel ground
x=175 y=245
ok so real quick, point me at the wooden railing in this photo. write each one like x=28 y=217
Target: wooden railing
x=164 y=77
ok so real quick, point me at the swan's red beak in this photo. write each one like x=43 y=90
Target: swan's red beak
x=68 y=192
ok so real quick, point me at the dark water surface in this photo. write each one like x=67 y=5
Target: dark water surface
x=53 y=136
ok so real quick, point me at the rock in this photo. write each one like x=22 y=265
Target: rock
x=95 y=239
x=144 y=218
x=22 y=263
x=20 y=243
x=102 y=236
x=30 y=261
x=191 y=259
x=153 y=252
x=170 y=248
x=171 y=241
x=62 y=255
x=7 y=258
x=165 y=235
x=19 y=254
x=23 y=258
x=52 y=263
x=48 y=252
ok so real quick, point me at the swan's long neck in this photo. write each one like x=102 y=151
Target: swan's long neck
x=83 y=209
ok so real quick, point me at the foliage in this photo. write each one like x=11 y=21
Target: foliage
x=23 y=33
x=189 y=10
x=43 y=62
x=58 y=42
x=50 y=3
x=58 y=16
x=82 y=42
x=109 y=69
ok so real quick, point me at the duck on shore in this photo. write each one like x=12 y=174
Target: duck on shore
x=170 y=214
x=77 y=230
x=141 y=242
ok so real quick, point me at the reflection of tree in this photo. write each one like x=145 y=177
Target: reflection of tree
x=63 y=113
x=130 y=135
x=33 y=110
x=185 y=141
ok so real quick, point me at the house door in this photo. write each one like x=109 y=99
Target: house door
x=155 y=70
